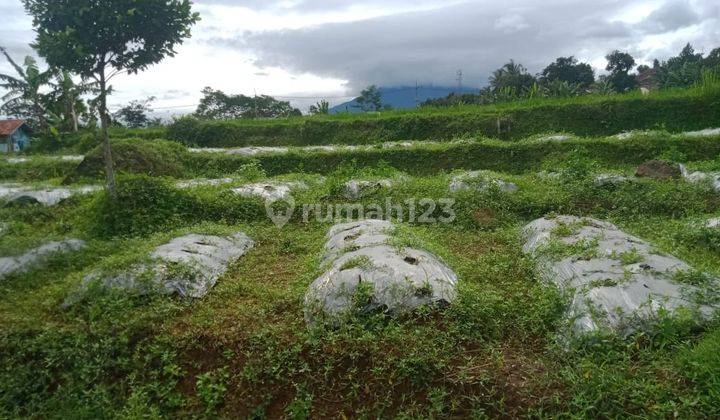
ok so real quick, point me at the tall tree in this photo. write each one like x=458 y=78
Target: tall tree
x=619 y=65
x=569 y=70
x=99 y=39
x=683 y=70
x=687 y=56
x=712 y=61
x=511 y=79
x=135 y=114
x=370 y=99
x=66 y=98
x=24 y=97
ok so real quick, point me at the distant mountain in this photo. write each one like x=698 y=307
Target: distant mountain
x=405 y=97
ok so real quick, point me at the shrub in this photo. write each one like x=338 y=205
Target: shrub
x=144 y=205
x=37 y=168
x=592 y=116
x=149 y=157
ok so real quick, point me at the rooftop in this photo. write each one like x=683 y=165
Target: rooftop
x=7 y=127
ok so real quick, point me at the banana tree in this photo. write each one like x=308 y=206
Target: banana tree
x=66 y=98
x=23 y=90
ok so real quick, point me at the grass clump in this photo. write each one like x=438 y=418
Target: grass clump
x=149 y=157
x=143 y=205
x=361 y=261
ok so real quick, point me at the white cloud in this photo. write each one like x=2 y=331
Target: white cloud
x=510 y=23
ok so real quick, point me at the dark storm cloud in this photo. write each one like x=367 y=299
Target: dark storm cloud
x=671 y=16
x=431 y=46
x=476 y=37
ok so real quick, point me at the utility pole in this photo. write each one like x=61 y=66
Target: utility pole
x=416 y=94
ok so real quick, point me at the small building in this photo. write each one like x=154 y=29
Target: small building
x=14 y=135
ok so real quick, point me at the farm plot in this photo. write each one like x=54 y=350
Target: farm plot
x=481 y=296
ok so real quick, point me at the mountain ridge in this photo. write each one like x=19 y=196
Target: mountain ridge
x=404 y=97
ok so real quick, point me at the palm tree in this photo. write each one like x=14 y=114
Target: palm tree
x=23 y=96
x=511 y=75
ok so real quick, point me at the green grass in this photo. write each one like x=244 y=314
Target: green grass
x=674 y=110
x=244 y=349
x=165 y=158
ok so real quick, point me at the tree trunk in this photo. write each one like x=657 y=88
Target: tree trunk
x=73 y=115
x=40 y=114
x=104 y=123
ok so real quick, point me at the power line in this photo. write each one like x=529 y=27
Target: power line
x=174 y=107
x=314 y=97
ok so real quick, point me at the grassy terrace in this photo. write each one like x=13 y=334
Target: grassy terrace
x=244 y=349
x=164 y=158
x=674 y=110
x=587 y=116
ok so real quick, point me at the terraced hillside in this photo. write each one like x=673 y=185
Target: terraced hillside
x=556 y=274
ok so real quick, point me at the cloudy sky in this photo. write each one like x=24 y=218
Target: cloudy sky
x=306 y=50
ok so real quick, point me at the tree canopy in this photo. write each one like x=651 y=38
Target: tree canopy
x=88 y=36
x=23 y=97
x=99 y=39
x=135 y=114
x=569 y=70
x=619 y=65
x=370 y=99
x=217 y=105
x=512 y=78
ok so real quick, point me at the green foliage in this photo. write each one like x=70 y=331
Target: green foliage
x=217 y=105
x=99 y=40
x=560 y=89
x=619 y=65
x=513 y=157
x=320 y=108
x=244 y=349
x=154 y=158
x=370 y=99
x=85 y=139
x=144 y=205
x=88 y=37
x=211 y=388
x=685 y=69
x=584 y=116
x=23 y=97
x=700 y=363
x=135 y=114
x=65 y=101
x=568 y=70
x=36 y=169
x=512 y=77
x=577 y=166
x=701 y=236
